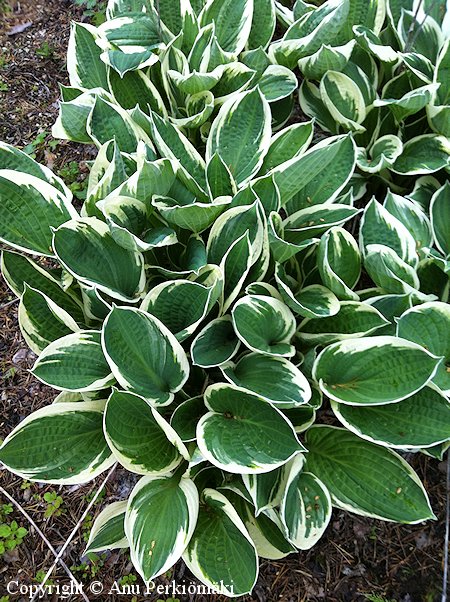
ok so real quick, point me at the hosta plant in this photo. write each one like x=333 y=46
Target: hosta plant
x=231 y=315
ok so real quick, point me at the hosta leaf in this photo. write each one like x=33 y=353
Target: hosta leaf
x=282 y=250
x=378 y=226
x=233 y=568
x=135 y=88
x=266 y=489
x=277 y=82
x=193 y=216
x=86 y=69
x=159 y=522
x=409 y=103
x=41 y=320
x=412 y=217
x=273 y=378
x=144 y=355
x=313 y=221
x=313 y=106
x=344 y=100
x=264 y=324
x=85 y=246
x=19 y=270
x=232 y=20
x=108 y=532
x=179 y=304
x=29 y=208
x=263 y=24
x=309 y=179
x=235 y=266
x=231 y=226
x=62 y=443
x=173 y=144
x=240 y=134
x=244 y=434
x=139 y=437
x=109 y=121
x=339 y=262
x=325 y=59
x=311 y=301
x=73 y=116
x=422 y=155
x=429 y=325
x=382 y=154
x=353 y=320
x=373 y=370
x=440 y=218
x=186 y=416
x=421 y=420
x=305 y=507
x=216 y=344
x=13 y=158
x=74 y=362
x=389 y=272
x=220 y=180
x=365 y=478
x=288 y=143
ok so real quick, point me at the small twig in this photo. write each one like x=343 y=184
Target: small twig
x=447 y=534
x=41 y=534
x=77 y=526
x=5 y=305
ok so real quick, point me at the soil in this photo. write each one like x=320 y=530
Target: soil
x=358 y=558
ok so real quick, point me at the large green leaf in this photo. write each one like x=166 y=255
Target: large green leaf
x=144 y=355
x=107 y=532
x=353 y=320
x=276 y=379
x=232 y=569
x=86 y=69
x=62 y=443
x=373 y=370
x=318 y=175
x=29 y=208
x=378 y=226
x=139 y=437
x=179 y=304
x=365 y=478
x=339 y=262
x=86 y=248
x=244 y=434
x=264 y=324
x=263 y=23
x=440 y=218
x=232 y=20
x=215 y=344
x=419 y=421
x=74 y=362
x=429 y=325
x=19 y=270
x=41 y=320
x=423 y=155
x=241 y=133
x=344 y=100
x=305 y=506
x=159 y=522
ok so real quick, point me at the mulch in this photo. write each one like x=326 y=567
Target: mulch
x=357 y=559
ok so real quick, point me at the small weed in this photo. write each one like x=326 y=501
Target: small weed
x=3 y=86
x=4 y=599
x=46 y=51
x=54 y=503
x=25 y=485
x=11 y=535
x=377 y=598
x=70 y=173
x=127 y=579
x=91 y=568
x=40 y=576
x=94 y=9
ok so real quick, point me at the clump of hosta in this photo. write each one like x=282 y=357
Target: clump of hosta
x=379 y=70
x=182 y=63
x=226 y=277
x=198 y=313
